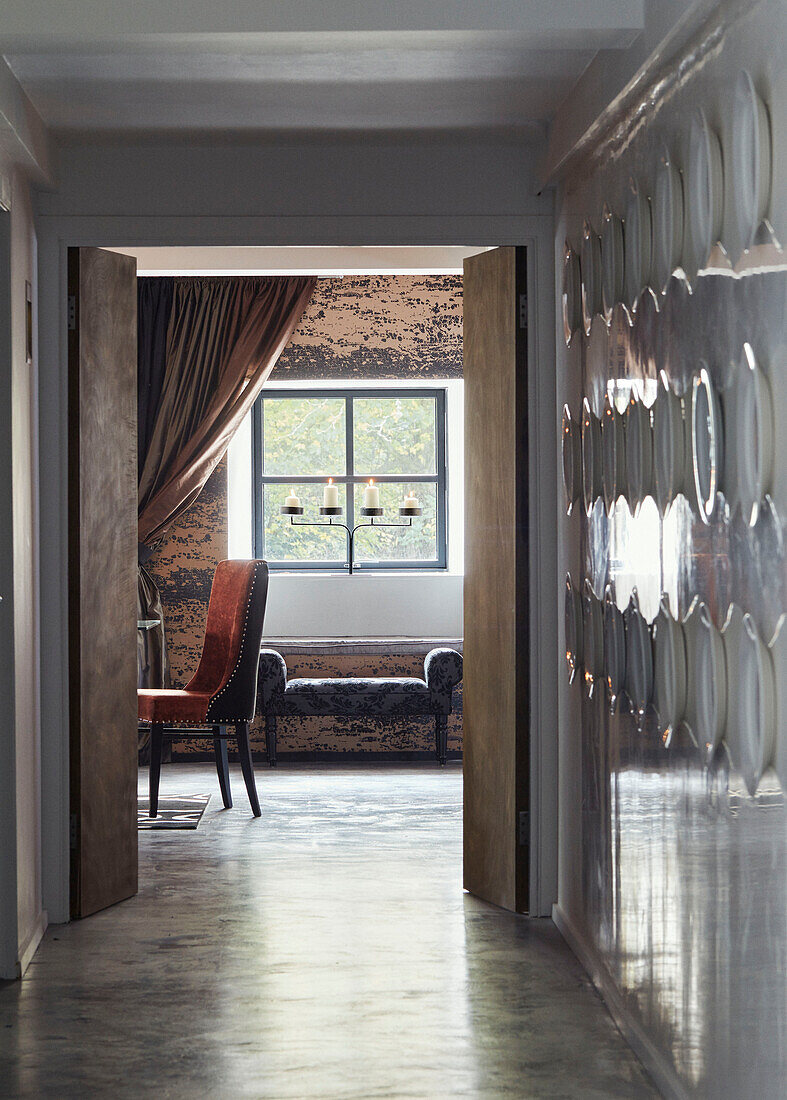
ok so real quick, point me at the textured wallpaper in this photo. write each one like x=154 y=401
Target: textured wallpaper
x=183 y=570
x=378 y=326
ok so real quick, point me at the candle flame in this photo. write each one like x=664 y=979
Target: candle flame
x=371 y=481
x=330 y=481
x=292 y=492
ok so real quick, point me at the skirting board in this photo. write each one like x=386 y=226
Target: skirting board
x=658 y=1067
x=33 y=940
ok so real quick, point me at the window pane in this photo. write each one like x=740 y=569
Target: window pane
x=285 y=542
x=303 y=435
x=394 y=435
x=416 y=543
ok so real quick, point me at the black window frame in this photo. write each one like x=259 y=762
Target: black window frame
x=349 y=395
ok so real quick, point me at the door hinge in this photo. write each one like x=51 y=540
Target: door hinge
x=72 y=834
x=524 y=828
x=523 y=310
x=72 y=312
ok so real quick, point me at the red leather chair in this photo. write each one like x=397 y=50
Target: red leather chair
x=223 y=690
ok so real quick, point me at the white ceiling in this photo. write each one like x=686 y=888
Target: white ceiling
x=244 y=65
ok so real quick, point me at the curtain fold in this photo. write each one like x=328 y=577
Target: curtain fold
x=154 y=309
x=223 y=338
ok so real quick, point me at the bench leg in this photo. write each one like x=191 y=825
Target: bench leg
x=441 y=738
x=270 y=738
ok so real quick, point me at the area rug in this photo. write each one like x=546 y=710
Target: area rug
x=182 y=812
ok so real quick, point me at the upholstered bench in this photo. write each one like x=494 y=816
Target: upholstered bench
x=373 y=697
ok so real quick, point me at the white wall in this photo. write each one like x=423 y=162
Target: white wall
x=8 y=914
x=26 y=611
x=312 y=179
x=364 y=606
x=22 y=916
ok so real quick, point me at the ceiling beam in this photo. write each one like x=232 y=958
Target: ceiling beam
x=30 y=24
x=24 y=140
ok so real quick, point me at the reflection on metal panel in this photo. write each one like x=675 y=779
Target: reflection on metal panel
x=673 y=820
x=685 y=892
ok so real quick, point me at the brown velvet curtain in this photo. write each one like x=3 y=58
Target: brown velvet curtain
x=223 y=340
x=154 y=309
x=225 y=336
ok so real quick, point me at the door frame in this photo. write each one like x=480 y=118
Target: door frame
x=55 y=235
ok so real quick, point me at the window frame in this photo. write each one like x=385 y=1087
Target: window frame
x=349 y=394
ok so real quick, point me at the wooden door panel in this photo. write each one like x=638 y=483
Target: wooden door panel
x=495 y=719
x=102 y=577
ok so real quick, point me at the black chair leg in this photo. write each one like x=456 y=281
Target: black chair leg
x=441 y=738
x=156 y=747
x=223 y=767
x=244 y=752
x=270 y=738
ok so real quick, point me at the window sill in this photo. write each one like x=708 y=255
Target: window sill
x=394 y=647
x=381 y=573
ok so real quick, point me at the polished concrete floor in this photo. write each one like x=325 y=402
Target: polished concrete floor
x=325 y=950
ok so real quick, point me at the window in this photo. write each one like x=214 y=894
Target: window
x=303 y=437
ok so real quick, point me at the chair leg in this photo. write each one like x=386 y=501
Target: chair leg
x=156 y=747
x=223 y=767
x=270 y=738
x=247 y=767
x=441 y=738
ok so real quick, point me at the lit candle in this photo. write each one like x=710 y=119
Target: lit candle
x=371 y=495
x=330 y=495
x=292 y=501
x=411 y=501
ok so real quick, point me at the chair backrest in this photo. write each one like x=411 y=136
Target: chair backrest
x=231 y=652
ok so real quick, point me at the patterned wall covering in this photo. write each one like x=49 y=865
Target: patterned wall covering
x=183 y=570
x=362 y=326
x=378 y=326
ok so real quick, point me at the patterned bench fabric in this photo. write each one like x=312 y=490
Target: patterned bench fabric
x=271 y=679
x=375 y=697
x=443 y=669
x=357 y=696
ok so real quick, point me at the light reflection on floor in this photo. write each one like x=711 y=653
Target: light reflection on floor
x=326 y=950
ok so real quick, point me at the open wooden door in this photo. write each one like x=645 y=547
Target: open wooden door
x=496 y=708
x=102 y=560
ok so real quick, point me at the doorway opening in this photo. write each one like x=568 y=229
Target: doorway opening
x=300 y=390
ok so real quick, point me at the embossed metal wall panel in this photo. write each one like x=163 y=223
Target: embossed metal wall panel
x=673 y=817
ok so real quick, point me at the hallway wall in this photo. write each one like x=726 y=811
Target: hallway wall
x=315 y=180
x=21 y=878
x=672 y=885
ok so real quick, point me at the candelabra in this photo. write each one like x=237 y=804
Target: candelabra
x=331 y=513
